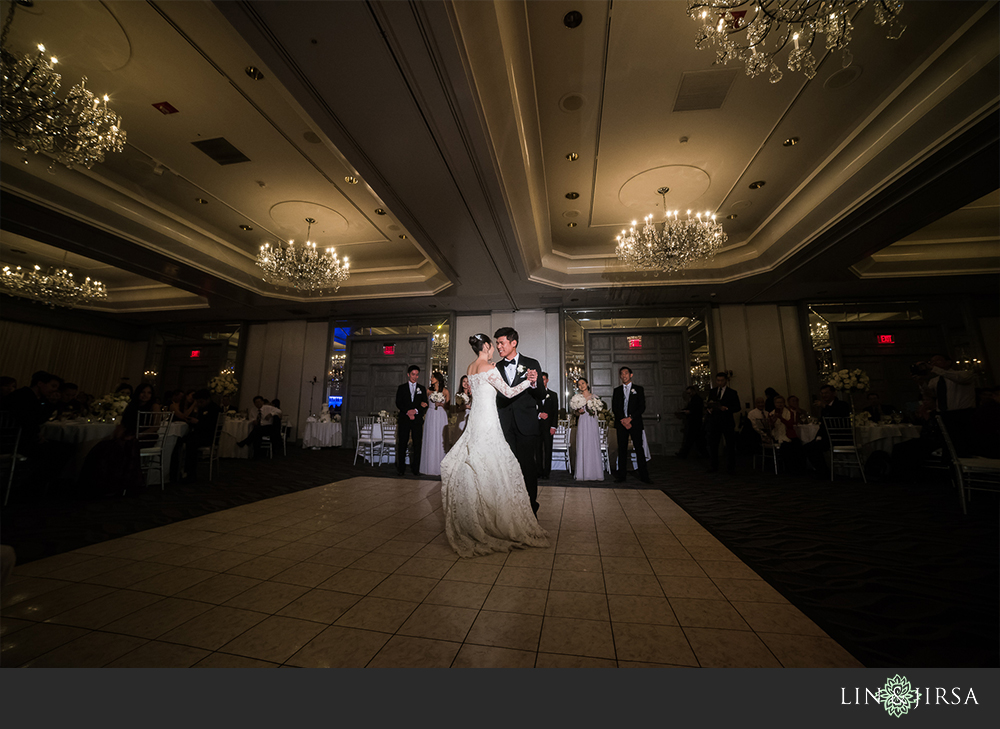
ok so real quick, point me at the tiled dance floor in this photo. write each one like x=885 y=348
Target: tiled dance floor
x=359 y=573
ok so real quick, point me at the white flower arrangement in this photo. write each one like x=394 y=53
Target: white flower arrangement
x=849 y=380
x=224 y=384
x=336 y=418
x=862 y=419
x=595 y=406
x=461 y=399
x=383 y=414
x=577 y=401
x=110 y=407
x=436 y=397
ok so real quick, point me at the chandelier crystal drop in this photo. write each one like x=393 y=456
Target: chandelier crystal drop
x=75 y=130
x=304 y=268
x=55 y=288
x=755 y=32
x=675 y=244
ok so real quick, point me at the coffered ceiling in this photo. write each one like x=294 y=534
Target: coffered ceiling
x=456 y=120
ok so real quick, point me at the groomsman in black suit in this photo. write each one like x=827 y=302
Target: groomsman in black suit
x=723 y=404
x=548 y=418
x=519 y=415
x=628 y=403
x=411 y=401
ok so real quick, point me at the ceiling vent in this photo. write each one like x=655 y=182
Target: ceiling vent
x=701 y=90
x=221 y=151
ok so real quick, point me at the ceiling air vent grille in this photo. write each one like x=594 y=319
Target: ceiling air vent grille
x=701 y=90
x=221 y=151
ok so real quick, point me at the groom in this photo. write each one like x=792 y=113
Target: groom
x=519 y=415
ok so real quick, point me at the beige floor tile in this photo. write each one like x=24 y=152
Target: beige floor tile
x=324 y=539
x=625 y=550
x=307 y=574
x=35 y=640
x=482 y=656
x=218 y=588
x=641 y=609
x=91 y=568
x=221 y=561
x=106 y=609
x=12 y=625
x=405 y=587
x=377 y=613
x=227 y=660
x=465 y=571
x=45 y=605
x=220 y=541
x=510 y=599
x=692 y=613
x=653 y=644
x=125 y=547
x=42 y=567
x=555 y=660
x=337 y=556
x=715 y=648
x=93 y=650
x=808 y=651
x=577 y=581
x=748 y=591
x=256 y=530
x=719 y=553
x=293 y=534
x=777 y=618
x=28 y=587
x=380 y=562
x=577 y=563
x=130 y=574
x=296 y=551
x=643 y=664
x=263 y=567
x=577 y=637
x=267 y=597
x=524 y=577
x=700 y=587
x=673 y=552
x=160 y=655
x=626 y=566
x=632 y=585
x=578 y=546
x=259 y=545
x=322 y=606
x=359 y=582
x=583 y=605
x=182 y=555
x=275 y=639
x=684 y=567
x=397 y=546
x=158 y=618
x=407 y=652
x=172 y=581
x=506 y=630
x=214 y=628
x=422 y=567
x=458 y=594
x=339 y=647
x=363 y=543
x=537 y=558
x=439 y=622
x=728 y=569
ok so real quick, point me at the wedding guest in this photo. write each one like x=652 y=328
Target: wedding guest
x=693 y=415
x=202 y=420
x=182 y=405
x=769 y=395
x=432 y=449
x=723 y=405
x=253 y=412
x=31 y=407
x=548 y=421
x=589 y=464
x=781 y=424
x=829 y=407
x=68 y=406
x=754 y=424
x=124 y=387
x=758 y=416
x=113 y=466
x=411 y=402
x=628 y=403
x=876 y=410
x=268 y=425
x=956 y=399
x=801 y=416
x=463 y=401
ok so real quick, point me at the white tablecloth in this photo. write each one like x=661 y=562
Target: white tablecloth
x=233 y=432
x=77 y=431
x=323 y=435
x=884 y=437
x=808 y=432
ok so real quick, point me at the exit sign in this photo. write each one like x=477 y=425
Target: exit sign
x=388 y=349
x=885 y=338
x=635 y=342
x=195 y=354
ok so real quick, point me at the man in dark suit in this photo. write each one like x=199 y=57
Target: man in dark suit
x=202 y=422
x=548 y=418
x=519 y=415
x=628 y=403
x=411 y=401
x=723 y=404
x=829 y=407
x=30 y=407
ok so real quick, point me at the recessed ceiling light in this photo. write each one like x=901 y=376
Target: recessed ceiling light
x=254 y=73
x=572 y=195
x=790 y=142
x=245 y=227
x=351 y=180
x=403 y=236
x=379 y=211
x=662 y=190
x=757 y=185
x=570 y=225
x=731 y=217
x=201 y=200
x=572 y=156
x=572 y=19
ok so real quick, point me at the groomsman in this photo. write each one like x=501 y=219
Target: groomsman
x=548 y=418
x=723 y=404
x=411 y=401
x=628 y=403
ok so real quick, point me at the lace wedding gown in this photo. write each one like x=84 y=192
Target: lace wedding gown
x=486 y=506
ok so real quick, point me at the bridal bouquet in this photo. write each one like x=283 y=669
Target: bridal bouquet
x=461 y=399
x=595 y=406
x=849 y=380
x=110 y=406
x=577 y=401
x=224 y=384
x=436 y=397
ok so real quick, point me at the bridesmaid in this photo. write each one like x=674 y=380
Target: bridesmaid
x=434 y=424
x=589 y=461
x=465 y=406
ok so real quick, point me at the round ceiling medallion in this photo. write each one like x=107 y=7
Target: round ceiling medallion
x=103 y=47
x=686 y=185
x=571 y=102
x=844 y=77
x=290 y=218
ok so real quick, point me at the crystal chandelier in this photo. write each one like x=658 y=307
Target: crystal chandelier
x=76 y=130
x=55 y=288
x=755 y=31
x=675 y=244
x=305 y=268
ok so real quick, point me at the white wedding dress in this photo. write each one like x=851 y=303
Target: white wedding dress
x=486 y=506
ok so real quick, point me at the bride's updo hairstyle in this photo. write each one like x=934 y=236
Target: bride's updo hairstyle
x=478 y=341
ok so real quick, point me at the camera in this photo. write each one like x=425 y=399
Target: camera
x=920 y=368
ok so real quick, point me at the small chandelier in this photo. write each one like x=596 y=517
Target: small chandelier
x=755 y=31
x=676 y=244
x=305 y=268
x=76 y=130
x=55 y=288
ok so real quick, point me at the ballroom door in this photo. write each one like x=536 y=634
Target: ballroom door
x=659 y=361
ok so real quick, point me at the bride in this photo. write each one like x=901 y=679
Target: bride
x=486 y=505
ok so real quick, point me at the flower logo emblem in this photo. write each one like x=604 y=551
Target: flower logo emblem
x=897 y=696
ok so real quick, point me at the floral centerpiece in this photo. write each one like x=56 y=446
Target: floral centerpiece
x=336 y=418
x=436 y=397
x=862 y=419
x=109 y=407
x=595 y=406
x=224 y=384
x=383 y=414
x=577 y=401
x=849 y=380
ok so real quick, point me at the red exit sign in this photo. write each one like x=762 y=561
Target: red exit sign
x=388 y=349
x=195 y=354
x=885 y=338
x=635 y=342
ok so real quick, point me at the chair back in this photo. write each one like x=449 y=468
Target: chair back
x=152 y=425
x=217 y=438
x=840 y=432
x=560 y=439
x=389 y=431
x=366 y=424
x=948 y=445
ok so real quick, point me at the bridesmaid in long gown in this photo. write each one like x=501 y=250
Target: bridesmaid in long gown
x=435 y=422
x=465 y=406
x=589 y=462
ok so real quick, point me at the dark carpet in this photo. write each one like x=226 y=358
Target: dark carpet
x=895 y=573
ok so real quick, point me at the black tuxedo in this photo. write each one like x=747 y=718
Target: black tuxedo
x=406 y=428
x=519 y=421
x=634 y=409
x=549 y=406
x=721 y=424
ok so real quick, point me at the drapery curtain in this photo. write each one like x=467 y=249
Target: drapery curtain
x=93 y=362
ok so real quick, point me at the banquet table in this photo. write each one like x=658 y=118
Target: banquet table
x=234 y=431
x=884 y=437
x=323 y=435
x=807 y=432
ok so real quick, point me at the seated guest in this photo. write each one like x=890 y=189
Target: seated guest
x=781 y=422
x=801 y=416
x=113 y=466
x=876 y=410
x=269 y=425
x=758 y=416
x=124 y=387
x=829 y=407
x=769 y=395
x=7 y=386
x=253 y=412
x=68 y=405
x=31 y=407
x=753 y=425
x=202 y=421
x=182 y=405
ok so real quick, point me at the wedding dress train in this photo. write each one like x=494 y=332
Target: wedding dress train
x=486 y=505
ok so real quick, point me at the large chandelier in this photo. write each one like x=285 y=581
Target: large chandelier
x=304 y=268
x=57 y=287
x=674 y=244
x=755 y=31
x=76 y=130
